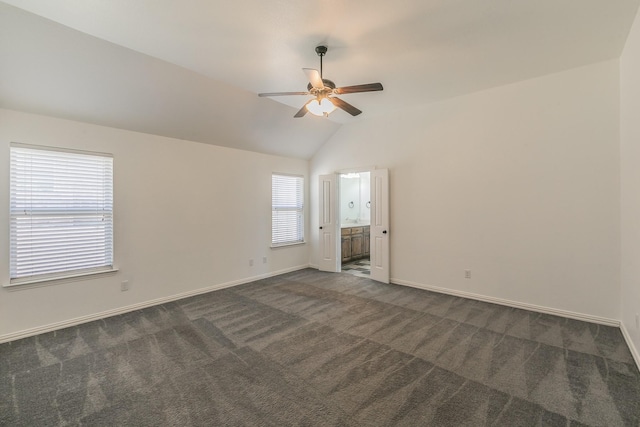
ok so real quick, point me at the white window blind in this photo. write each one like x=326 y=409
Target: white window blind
x=61 y=212
x=287 y=210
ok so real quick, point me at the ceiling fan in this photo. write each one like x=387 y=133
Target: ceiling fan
x=323 y=91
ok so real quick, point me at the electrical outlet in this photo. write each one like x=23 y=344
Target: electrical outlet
x=124 y=286
x=251 y=262
x=264 y=259
x=467 y=274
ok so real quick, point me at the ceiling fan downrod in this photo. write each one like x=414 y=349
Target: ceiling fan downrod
x=321 y=51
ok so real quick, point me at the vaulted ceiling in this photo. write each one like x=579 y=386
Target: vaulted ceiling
x=192 y=69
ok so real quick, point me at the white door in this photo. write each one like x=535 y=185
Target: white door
x=380 y=225
x=329 y=253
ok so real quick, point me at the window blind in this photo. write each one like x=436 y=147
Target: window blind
x=287 y=209
x=61 y=211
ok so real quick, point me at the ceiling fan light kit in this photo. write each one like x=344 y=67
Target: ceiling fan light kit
x=323 y=91
x=322 y=108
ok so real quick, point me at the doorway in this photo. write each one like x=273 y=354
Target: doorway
x=355 y=220
x=331 y=230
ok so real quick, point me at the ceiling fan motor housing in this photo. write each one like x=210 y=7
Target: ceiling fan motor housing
x=327 y=84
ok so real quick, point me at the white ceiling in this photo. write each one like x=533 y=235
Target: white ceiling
x=191 y=69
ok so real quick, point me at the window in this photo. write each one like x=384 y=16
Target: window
x=61 y=213
x=287 y=210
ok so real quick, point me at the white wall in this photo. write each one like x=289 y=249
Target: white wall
x=365 y=197
x=355 y=190
x=630 y=181
x=187 y=216
x=519 y=184
x=349 y=192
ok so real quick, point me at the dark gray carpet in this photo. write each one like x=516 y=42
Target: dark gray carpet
x=318 y=349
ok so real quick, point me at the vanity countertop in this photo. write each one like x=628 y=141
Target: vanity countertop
x=351 y=225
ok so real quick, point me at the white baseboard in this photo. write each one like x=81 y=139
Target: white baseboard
x=630 y=344
x=91 y=317
x=509 y=303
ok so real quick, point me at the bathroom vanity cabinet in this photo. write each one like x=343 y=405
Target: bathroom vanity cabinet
x=355 y=243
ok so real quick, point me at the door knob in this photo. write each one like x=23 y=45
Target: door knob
x=321 y=228
x=384 y=231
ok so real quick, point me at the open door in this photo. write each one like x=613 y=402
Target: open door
x=329 y=253
x=380 y=225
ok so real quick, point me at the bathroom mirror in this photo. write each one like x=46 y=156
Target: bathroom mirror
x=355 y=199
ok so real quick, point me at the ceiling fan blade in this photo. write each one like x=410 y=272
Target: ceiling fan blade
x=345 y=106
x=301 y=112
x=369 y=87
x=314 y=77
x=283 y=93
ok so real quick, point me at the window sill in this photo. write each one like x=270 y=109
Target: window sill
x=286 y=245
x=43 y=281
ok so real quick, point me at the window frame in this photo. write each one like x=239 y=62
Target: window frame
x=71 y=212
x=299 y=206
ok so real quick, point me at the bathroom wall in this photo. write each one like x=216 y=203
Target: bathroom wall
x=365 y=197
x=354 y=190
